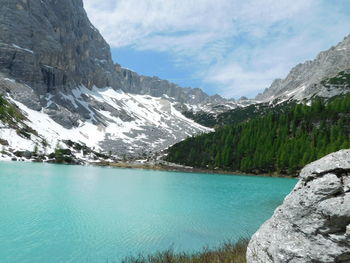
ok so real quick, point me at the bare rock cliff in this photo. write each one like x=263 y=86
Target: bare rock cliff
x=51 y=45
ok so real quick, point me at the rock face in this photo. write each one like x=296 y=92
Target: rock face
x=312 y=224
x=52 y=47
x=55 y=64
x=304 y=80
x=132 y=82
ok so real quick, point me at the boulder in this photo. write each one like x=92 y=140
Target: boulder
x=313 y=223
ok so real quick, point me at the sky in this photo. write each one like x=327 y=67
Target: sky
x=229 y=47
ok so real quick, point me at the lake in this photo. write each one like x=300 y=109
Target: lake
x=57 y=213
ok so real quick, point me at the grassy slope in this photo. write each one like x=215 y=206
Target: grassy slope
x=227 y=253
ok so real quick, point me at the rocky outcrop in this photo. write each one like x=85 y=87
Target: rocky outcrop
x=313 y=223
x=304 y=80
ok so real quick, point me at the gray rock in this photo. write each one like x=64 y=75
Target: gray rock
x=341 y=160
x=312 y=224
x=132 y=82
x=4 y=142
x=51 y=45
x=304 y=80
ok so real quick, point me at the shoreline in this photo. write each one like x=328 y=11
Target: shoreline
x=184 y=170
x=154 y=167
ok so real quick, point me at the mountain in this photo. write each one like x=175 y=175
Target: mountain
x=305 y=81
x=117 y=122
x=297 y=120
x=57 y=69
x=282 y=140
x=325 y=77
x=132 y=82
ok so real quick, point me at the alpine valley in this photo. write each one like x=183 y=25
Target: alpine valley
x=296 y=121
x=63 y=98
x=61 y=90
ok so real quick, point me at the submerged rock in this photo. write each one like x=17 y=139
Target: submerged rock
x=313 y=223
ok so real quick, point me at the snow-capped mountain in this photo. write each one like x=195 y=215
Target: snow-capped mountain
x=308 y=80
x=57 y=69
x=131 y=82
x=118 y=122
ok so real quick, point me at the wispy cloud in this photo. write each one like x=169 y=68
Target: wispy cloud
x=236 y=46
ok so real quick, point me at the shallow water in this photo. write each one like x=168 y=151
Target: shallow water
x=58 y=213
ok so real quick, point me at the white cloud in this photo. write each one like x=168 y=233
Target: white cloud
x=127 y=22
x=238 y=46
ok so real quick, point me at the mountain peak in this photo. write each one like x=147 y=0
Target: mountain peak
x=57 y=68
x=301 y=80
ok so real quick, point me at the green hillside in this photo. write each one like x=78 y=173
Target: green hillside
x=281 y=141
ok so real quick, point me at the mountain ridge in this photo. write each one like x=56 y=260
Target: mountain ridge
x=134 y=83
x=304 y=80
x=52 y=48
x=55 y=64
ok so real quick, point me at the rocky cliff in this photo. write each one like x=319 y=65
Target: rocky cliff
x=313 y=223
x=57 y=68
x=304 y=80
x=52 y=46
x=132 y=82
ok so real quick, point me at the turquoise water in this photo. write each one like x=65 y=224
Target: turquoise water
x=56 y=213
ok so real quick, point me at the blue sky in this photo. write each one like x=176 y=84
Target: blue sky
x=230 y=47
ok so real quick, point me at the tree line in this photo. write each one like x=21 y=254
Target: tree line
x=281 y=141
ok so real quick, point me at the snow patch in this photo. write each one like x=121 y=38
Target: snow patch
x=143 y=114
x=24 y=49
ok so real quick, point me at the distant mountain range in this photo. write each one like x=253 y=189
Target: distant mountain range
x=327 y=76
x=57 y=69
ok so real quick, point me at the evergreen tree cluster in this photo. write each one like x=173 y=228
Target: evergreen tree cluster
x=9 y=113
x=281 y=141
x=12 y=116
